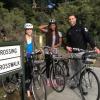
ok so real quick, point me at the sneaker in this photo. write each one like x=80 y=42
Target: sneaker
x=5 y=96
x=73 y=84
x=48 y=83
x=84 y=91
x=28 y=93
x=73 y=87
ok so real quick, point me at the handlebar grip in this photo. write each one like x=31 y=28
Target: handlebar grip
x=77 y=50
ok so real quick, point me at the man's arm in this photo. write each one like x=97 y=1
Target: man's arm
x=68 y=42
x=88 y=37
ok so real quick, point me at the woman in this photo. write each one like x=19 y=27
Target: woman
x=29 y=48
x=53 y=40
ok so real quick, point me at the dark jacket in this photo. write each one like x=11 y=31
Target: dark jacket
x=78 y=37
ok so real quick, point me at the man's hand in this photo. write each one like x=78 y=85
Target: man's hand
x=69 y=49
x=97 y=50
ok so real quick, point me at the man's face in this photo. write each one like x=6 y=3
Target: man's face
x=72 y=20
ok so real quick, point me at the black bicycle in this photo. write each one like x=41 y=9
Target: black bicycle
x=89 y=84
x=11 y=83
x=56 y=70
x=38 y=85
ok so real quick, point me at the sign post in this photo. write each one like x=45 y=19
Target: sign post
x=11 y=61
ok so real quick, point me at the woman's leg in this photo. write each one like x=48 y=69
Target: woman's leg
x=28 y=71
x=48 y=62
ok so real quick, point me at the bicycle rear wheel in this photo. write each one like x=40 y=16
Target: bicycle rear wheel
x=39 y=88
x=9 y=84
x=89 y=85
x=57 y=77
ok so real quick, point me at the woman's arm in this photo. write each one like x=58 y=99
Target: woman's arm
x=43 y=28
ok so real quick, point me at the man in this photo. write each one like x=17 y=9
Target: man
x=78 y=37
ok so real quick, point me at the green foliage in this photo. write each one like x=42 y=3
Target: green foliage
x=13 y=15
x=88 y=14
x=11 y=20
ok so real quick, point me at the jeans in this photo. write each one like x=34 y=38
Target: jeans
x=28 y=71
x=75 y=65
x=48 y=62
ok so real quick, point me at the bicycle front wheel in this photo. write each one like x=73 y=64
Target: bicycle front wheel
x=39 y=88
x=57 y=77
x=89 y=85
x=9 y=84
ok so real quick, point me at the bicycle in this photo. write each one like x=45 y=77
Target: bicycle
x=11 y=83
x=37 y=85
x=56 y=71
x=89 y=84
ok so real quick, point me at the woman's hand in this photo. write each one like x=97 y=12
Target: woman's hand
x=69 y=49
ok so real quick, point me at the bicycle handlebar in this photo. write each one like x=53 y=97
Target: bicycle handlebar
x=50 y=50
x=91 y=54
x=48 y=47
x=82 y=50
x=36 y=52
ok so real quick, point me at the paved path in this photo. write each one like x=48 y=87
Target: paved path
x=69 y=94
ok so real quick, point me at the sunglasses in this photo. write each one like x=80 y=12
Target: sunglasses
x=29 y=29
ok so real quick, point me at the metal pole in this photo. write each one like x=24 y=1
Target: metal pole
x=22 y=76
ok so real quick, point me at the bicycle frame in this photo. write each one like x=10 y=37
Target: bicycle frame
x=83 y=68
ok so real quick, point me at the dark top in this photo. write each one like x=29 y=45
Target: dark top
x=49 y=38
x=78 y=37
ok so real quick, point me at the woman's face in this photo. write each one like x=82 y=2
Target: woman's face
x=53 y=27
x=29 y=31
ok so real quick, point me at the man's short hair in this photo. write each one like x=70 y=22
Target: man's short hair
x=72 y=14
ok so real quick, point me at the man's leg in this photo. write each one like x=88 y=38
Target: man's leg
x=76 y=66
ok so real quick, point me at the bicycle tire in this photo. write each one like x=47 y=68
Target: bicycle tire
x=39 y=88
x=57 y=74
x=64 y=64
x=9 y=85
x=85 y=83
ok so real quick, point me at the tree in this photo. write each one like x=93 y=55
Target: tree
x=11 y=20
x=88 y=12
